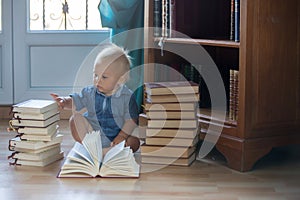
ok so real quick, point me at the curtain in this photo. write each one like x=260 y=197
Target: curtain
x=126 y=20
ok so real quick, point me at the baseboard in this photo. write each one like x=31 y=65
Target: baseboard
x=5 y=113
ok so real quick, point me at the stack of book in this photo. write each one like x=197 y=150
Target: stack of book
x=171 y=133
x=38 y=142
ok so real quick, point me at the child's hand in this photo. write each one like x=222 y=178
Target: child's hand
x=59 y=100
x=130 y=140
x=117 y=140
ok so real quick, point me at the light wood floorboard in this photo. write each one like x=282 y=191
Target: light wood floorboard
x=276 y=176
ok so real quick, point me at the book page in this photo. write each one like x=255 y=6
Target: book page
x=76 y=167
x=77 y=161
x=114 y=151
x=123 y=164
x=125 y=161
x=80 y=150
x=92 y=143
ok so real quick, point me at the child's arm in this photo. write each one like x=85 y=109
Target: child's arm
x=125 y=134
x=63 y=102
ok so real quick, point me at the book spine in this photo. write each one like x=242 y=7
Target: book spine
x=236 y=91
x=233 y=95
x=165 y=18
x=157 y=18
x=14 y=162
x=12 y=143
x=232 y=20
x=172 y=17
x=11 y=148
x=237 y=20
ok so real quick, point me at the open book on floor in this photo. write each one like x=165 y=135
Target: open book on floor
x=88 y=160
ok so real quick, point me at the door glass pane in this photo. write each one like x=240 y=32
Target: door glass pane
x=64 y=15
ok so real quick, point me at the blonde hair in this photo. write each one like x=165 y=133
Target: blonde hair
x=113 y=53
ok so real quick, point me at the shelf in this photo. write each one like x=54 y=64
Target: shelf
x=205 y=114
x=205 y=42
x=205 y=119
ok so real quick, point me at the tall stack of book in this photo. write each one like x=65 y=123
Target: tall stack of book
x=233 y=94
x=38 y=142
x=171 y=132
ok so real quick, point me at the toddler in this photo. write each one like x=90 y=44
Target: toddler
x=109 y=105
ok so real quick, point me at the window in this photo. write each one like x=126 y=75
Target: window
x=64 y=15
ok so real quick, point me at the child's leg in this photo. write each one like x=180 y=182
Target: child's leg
x=133 y=142
x=79 y=126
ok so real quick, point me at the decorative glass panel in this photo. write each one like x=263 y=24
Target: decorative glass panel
x=64 y=15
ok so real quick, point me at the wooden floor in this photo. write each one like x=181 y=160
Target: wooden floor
x=276 y=176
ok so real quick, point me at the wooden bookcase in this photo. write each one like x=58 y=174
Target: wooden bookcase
x=267 y=58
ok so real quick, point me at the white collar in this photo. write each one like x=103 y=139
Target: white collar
x=117 y=93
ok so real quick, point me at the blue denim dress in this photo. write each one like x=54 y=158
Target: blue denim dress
x=106 y=113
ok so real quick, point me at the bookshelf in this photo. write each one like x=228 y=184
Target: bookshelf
x=266 y=57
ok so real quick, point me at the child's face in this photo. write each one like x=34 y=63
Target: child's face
x=107 y=79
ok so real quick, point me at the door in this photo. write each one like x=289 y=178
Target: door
x=6 y=70
x=46 y=59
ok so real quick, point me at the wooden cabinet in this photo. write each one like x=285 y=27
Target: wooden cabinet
x=267 y=58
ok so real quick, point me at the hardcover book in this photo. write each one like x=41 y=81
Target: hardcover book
x=178 y=133
x=171 y=114
x=232 y=20
x=34 y=137
x=167 y=151
x=41 y=156
x=169 y=88
x=237 y=20
x=34 y=151
x=39 y=163
x=170 y=106
x=35 y=116
x=169 y=161
x=33 y=145
x=35 y=106
x=157 y=17
x=170 y=123
x=89 y=160
x=175 y=142
x=39 y=130
x=34 y=123
x=172 y=98
x=233 y=95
